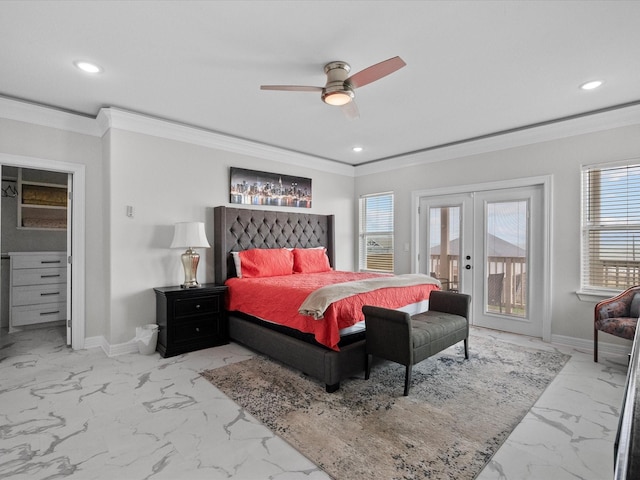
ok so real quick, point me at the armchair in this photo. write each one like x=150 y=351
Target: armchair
x=617 y=316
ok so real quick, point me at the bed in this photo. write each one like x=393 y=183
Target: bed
x=242 y=229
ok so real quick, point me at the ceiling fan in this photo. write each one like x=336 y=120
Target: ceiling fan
x=339 y=89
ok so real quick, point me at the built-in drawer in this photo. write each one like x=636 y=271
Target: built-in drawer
x=32 y=314
x=39 y=276
x=39 y=260
x=197 y=306
x=39 y=294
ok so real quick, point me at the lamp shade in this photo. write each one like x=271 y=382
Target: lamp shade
x=189 y=235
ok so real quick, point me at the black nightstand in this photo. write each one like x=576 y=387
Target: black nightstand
x=190 y=318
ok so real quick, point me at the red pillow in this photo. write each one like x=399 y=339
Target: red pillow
x=266 y=262
x=310 y=260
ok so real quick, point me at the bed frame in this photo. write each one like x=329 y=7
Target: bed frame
x=237 y=229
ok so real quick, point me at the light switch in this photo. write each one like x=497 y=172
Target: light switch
x=130 y=211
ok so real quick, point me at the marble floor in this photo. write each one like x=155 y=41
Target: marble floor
x=83 y=415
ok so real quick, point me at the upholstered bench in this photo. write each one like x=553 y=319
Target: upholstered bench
x=409 y=339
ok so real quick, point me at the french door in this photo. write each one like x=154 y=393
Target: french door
x=488 y=244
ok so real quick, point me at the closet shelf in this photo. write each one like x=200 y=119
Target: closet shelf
x=41 y=206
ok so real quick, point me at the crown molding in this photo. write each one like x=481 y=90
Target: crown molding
x=129 y=121
x=570 y=127
x=47 y=117
x=134 y=122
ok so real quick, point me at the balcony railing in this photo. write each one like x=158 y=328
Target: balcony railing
x=614 y=274
x=506 y=282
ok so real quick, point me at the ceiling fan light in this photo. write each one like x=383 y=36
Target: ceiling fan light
x=339 y=98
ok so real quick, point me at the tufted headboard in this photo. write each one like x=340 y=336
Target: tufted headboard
x=237 y=229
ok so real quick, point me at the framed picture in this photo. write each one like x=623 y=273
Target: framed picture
x=251 y=187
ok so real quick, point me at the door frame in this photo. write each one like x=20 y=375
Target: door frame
x=77 y=233
x=545 y=181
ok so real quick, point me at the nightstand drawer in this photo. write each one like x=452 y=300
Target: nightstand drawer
x=197 y=306
x=195 y=331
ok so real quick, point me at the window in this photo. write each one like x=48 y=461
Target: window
x=376 y=232
x=611 y=226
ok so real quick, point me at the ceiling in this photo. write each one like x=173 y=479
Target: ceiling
x=473 y=68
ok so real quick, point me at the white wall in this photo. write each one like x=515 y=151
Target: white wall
x=560 y=158
x=32 y=140
x=168 y=181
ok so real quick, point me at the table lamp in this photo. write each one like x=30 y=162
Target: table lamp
x=190 y=235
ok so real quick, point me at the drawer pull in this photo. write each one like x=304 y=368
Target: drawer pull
x=50 y=261
x=50 y=293
x=50 y=276
x=197 y=329
x=197 y=306
x=49 y=313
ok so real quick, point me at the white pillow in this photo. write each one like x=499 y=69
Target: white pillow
x=237 y=263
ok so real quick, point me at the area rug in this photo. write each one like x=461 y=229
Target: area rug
x=456 y=416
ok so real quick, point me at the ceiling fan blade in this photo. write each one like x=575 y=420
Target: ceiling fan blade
x=291 y=88
x=375 y=72
x=350 y=110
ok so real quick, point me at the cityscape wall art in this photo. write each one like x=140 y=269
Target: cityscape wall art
x=252 y=187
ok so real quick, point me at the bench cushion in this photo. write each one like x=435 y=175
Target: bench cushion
x=434 y=331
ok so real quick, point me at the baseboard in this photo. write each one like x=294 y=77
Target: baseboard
x=587 y=345
x=111 y=350
x=95 y=342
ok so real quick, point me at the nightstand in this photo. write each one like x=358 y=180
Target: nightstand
x=190 y=318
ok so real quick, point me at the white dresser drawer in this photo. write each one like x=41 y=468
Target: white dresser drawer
x=30 y=315
x=38 y=276
x=38 y=260
x=38 y=288
x=39 y=294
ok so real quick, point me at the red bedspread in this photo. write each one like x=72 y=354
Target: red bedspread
x=277 y=300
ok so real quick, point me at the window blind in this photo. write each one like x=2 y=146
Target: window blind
x=611 y=227
x=376 y=232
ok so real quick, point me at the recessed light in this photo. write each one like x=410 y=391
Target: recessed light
x=591 y=85
x=357 y=149
x=88 y=67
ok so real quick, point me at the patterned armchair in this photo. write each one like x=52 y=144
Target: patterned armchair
x=617 y=316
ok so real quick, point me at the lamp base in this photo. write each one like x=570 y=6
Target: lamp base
x=190 y=260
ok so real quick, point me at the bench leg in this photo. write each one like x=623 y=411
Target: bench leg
x=466 y=348
x=407 y=380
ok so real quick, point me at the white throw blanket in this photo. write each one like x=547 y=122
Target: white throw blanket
x=318 y=301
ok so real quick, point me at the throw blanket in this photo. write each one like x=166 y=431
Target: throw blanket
x=318 y=301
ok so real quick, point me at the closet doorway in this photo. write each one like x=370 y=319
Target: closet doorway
x=36 y=214
x=56 y=233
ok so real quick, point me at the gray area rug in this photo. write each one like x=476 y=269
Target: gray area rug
x=455 y=418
